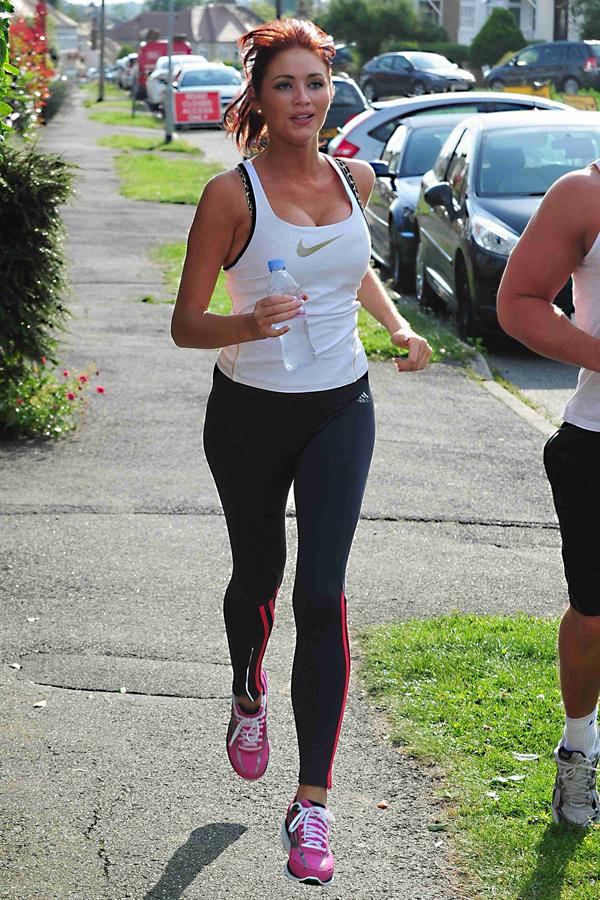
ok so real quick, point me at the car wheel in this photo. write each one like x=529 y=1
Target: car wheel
x=419 y=89
x=570 y=85
x=403 y=278
x=425 y=294
x=496 y=85
x=370 y=92
x=465 y=319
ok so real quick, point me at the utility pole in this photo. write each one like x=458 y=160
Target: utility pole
x=102 y=42
x=278 y=10
x=169 y=92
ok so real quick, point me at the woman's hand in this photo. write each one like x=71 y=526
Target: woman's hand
x=419 y=351
x=271 y=310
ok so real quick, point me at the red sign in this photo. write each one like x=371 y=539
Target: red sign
x=197 y=106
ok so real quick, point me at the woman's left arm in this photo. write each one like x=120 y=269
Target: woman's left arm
x=373 y=296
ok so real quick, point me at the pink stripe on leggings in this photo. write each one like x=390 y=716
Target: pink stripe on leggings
x=346 y=644
x=265 y=621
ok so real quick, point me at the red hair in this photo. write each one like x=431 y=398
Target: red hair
x=258 y=47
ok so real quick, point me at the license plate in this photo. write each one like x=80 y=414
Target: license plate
x=328 y=133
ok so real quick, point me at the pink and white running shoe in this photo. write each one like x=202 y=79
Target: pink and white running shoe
x=305 y=836
x=247 y=741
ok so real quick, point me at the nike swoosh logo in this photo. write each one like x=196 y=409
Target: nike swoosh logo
x=301 y=250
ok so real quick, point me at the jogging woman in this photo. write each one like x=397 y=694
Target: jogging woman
x=268 y=427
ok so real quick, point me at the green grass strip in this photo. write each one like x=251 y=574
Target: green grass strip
x=141 y=142
x=151 y=176
x=374 y=336
x=116 y=116
x=469 y=692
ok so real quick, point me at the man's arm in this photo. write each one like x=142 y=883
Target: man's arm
x=550 y=249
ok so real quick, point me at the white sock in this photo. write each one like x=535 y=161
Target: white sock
x=582 y=734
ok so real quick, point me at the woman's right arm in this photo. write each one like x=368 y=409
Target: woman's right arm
x=218 y=216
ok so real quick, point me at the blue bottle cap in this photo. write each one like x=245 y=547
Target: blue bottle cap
x=275 y=265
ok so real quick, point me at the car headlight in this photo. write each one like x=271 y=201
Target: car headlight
x=492 y=235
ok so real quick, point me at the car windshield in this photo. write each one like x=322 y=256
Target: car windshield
x=428 y=61
x=345 y=95
x=422 y=148
x=163 y=61
x=527 y=161
x=209 y=76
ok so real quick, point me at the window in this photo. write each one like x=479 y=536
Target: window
x=422 y=149
x=466 y=108
x=400 y=63
x=384 y=131
x=385 y=63
x=529 y=57
x=459 y=166
x=393 y=147
x=551 y=53
x=447 y=150
x=345 y=95
x=207 y=76
x=575 y=52
x=515 y=8
x=467 y=15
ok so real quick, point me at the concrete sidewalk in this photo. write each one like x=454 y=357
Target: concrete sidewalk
x=114 y=559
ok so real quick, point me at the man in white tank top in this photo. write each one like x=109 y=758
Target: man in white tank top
x=563 y=239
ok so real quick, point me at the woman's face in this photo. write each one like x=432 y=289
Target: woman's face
x=295 y=95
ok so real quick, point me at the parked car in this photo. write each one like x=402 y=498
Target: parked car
x=149 y=53
x=211 y=77
x=569 y=65
x=485 y=185
x=126 y=71
x=365 y=136
x=157 y=79
x=409 y=153
x=348 y=101
x=412 y=73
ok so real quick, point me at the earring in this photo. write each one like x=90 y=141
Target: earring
x=259 y=111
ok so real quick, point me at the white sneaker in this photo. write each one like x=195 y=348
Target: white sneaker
x=575 y=799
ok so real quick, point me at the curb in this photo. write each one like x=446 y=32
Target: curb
x=479 y=367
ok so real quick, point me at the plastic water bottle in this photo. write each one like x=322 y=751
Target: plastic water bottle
x=296 y=345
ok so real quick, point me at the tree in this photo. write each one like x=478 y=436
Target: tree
x=588 y=13
x=497 y=36
x=163 y=5
x=370 y=22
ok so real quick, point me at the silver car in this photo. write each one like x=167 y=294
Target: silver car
x=211 y=77
x=156 y=82
x=365 y=136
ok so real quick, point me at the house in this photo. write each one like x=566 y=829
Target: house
x=539 y=20
x=62 y=29
x=212 y=29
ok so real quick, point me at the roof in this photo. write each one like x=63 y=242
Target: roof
x=26 y=9
x=535 y=119
x=209 y=24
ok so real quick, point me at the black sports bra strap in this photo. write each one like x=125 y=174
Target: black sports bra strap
x=350 y=179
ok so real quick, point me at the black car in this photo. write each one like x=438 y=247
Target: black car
x=348 y=101
x=474 y=204
x=569 y=65
x=390 y=212
x=412 y=73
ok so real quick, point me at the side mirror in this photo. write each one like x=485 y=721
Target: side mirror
x=440 y=194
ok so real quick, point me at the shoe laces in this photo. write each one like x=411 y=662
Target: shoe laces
x=315 y=823
x=578 y=781
x=249 y=730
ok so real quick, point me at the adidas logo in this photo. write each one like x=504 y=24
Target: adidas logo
x=364 y=398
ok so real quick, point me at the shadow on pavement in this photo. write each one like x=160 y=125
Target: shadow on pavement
x=556 y=847
x=202 y=847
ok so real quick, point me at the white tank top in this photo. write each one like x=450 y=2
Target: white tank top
x=583 y=408
x=329 y=263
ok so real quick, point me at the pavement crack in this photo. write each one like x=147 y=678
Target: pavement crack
x=127 y=692
x=92 y=510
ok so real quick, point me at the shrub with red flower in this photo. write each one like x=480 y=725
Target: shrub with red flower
x=29 y=53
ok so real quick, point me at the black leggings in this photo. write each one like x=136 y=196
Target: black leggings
x=258 y=442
